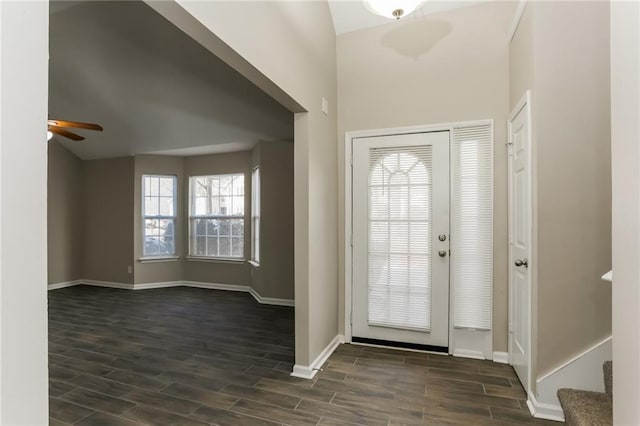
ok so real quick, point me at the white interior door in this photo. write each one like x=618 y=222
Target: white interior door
x=520 y=242
x=401 y=239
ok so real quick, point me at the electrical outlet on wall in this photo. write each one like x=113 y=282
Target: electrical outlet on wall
x=130 y=269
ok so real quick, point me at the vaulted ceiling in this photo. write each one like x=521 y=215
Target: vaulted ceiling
x=152 y=88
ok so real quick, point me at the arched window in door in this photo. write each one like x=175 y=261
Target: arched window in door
x=400 y=213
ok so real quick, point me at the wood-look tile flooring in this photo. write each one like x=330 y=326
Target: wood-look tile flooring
x=186 y=356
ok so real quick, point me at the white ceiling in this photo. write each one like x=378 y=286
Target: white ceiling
x=352 y=15
x=153 y=89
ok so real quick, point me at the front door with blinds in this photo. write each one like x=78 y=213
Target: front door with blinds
x=401 y=240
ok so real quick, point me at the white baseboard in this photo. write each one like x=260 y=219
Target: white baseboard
x=242 y=288
x=271 y=300
x=541 y=410
x=501 y=357
x=108 y=284
x=584 y=372
x=162 y=284
x=64 y=284
x=217 y=286
x=166 y=284
x=466 y=353
x=303 y=372
x=309 y=371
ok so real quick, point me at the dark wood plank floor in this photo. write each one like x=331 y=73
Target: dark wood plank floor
x=186 y=356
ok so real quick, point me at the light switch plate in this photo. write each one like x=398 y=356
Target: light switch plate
x=325 y=106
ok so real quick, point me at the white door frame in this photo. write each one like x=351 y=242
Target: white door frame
x=525 y=102
x=348 y=213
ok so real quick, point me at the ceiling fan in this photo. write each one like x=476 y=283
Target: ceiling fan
x=58 y=127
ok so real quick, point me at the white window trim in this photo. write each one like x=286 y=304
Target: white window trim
x=215 y=259
x=160 y=257
x=253 y=261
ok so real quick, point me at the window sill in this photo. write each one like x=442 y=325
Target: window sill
x=215 y=259
x=253 y=263
x=155 y=259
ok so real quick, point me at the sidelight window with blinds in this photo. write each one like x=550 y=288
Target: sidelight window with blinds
x=472 y=226
x=400 y=211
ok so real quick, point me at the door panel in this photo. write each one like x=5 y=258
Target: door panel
x=400 y=207
x=520 y=243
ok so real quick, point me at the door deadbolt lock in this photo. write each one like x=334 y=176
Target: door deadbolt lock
x=442 y=253
x=442 y=237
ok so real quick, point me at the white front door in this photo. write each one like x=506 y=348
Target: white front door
x=520 y=242
x=401 y=240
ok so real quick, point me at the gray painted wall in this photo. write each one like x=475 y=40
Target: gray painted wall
x=571 y=172
x=297 y=67
x=97 y=218
x=220 y=271
x=108 y=232
x=65 y=218
x=275 y=275
x=574 y=178
x=163 y=271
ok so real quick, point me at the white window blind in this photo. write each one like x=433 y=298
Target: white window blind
x=255 y=215
x=400 y=211
x=472 y=226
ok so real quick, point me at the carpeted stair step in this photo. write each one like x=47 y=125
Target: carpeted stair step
x=607 y=369
x=585 y=408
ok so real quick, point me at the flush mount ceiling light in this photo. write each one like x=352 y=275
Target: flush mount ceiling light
x=392 y=9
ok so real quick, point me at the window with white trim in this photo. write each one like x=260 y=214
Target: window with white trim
x=158 y=215
x=216 y=216
x=255 y=215
x=472 y=226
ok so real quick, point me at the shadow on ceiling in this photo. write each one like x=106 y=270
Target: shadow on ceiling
x=416 y=39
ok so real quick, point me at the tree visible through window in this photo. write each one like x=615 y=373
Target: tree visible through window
x=216 y=216
x=159 y=215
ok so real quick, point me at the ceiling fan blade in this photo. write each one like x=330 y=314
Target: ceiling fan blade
x=65 y=133
x=76 y=124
